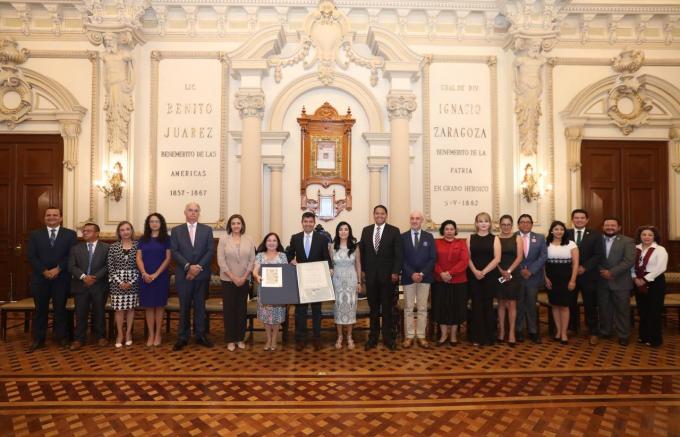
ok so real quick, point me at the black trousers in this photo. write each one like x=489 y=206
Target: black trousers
x=650 y=308
x=94 y=302
x=301 y=321
x=588 y=290
x=380 y=296
x=483 y=317
x=234 y=309
x=56 y=290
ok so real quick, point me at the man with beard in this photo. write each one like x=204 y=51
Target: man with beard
x=615 y=283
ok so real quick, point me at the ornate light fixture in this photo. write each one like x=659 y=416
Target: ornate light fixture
x=532 y=186
x=112 y=186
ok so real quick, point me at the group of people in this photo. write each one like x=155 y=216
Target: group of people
x=510 y=267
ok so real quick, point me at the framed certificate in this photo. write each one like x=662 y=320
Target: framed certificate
x=272 y=276
x=314 y=282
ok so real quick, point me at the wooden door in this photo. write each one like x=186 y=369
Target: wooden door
x=626 y=179
x=30 y=181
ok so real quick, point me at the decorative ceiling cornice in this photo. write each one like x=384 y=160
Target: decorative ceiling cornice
x=478 y=22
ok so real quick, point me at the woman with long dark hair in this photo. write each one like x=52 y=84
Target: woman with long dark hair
x=153 y=259
x=270 y=251
x=651 y=262
x=560 y=276
x=346 y=281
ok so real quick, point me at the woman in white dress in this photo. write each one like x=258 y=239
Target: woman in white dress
x=346 y=281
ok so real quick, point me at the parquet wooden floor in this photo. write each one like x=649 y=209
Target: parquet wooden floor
x=529 y=390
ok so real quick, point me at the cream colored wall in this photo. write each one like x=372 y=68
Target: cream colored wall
x=75 y=74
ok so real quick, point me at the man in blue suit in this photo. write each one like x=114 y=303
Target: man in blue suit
x=192 y=249
x=48 y=251
x=416 y=277
x=531 y=277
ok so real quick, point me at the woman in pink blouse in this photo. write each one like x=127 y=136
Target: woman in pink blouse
x=236 y=258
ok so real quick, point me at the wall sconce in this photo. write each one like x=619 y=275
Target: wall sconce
x=112 y=186
x=532 y=186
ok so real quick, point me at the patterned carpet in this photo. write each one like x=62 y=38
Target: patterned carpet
x=529 y=390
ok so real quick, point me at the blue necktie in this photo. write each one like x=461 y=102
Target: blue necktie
x=90 y=253
x=53 y=236
x=308 y=244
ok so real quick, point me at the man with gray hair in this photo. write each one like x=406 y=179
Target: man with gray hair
x=416 y=277
x=192 y=248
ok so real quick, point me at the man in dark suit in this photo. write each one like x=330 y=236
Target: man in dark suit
x=308 y=246
x=615 y=283
x=590 y=248
x=381 y=261
x=192 y=249
x=531 y=277
x=89 y=284
x=416 y=277
x=48 y=251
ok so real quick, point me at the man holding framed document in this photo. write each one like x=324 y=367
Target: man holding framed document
x=305 y=247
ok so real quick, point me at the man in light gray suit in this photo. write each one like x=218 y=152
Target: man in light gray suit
x=615 y=284
x=531 y=277
x=192 y=249
x=89 y=284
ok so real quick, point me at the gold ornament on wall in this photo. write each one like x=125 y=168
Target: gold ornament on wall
x=627 y=103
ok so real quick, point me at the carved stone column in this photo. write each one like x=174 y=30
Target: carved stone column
x=375 y=168
x=533 y=32
x=400 y=106
x=250 y=103
x=674 y=146
x=276 y=203
x=674 y=181
x=70 y=130
x=574 y=135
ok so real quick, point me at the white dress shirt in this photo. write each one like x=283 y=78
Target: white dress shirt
x=413 y=235
x=657 y=262
x=56 y=231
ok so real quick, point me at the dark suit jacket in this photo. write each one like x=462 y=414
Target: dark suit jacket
x=621 y=258
x=77 y=266
x=418 y=261
x=42 y=256
x=388 y=260
x=184 y=253
x=318 y=251
x=534 y=261
x=590 y=253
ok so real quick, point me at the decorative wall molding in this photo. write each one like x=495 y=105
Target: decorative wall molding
x=674 y=145
x=589 y=105
x=627 y=103
x=451 y=22
x=328 y=36
x=607 y=62
x=156 y=56
x=375 y=112
x=400 y=104
x=250 y=102
x=587 y=110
